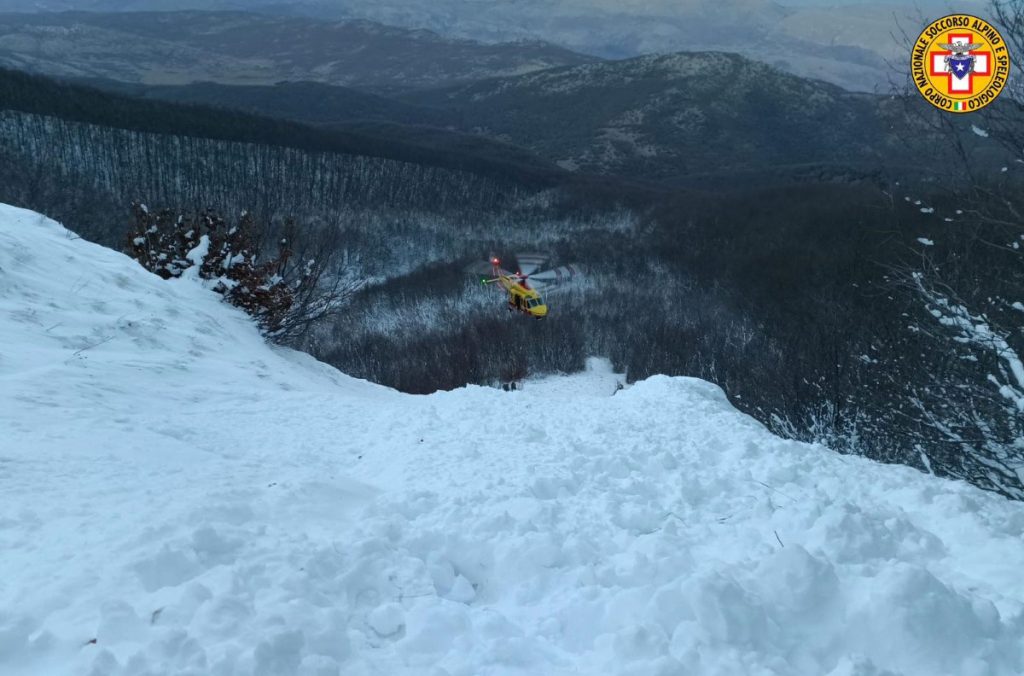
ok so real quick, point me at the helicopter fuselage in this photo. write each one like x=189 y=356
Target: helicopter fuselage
x=524 y=299
x=521 y=297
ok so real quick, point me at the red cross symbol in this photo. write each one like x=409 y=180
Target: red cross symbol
x=941 y=68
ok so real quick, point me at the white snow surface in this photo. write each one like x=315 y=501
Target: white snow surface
x=176 y=497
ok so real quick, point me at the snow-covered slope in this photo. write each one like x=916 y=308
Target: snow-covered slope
x=178 y=498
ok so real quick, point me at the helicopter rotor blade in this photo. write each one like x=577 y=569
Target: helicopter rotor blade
x=553 y=291
x=486 y=268
x=529 y=262
x=478 y=268
x=555 y=276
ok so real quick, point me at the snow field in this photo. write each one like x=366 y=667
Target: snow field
x=176 y=497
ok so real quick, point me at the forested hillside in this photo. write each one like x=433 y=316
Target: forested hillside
x=44 y=96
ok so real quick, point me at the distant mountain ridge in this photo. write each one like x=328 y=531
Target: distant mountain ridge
x=700 y=119
x=653 y=117
x=850 y=44
x=853 y=44
x=168 y=48
x=667 y=117
x=663 y=115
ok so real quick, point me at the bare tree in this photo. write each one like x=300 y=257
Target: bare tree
x=321 y=283
x=965 y=400
x=287 y=279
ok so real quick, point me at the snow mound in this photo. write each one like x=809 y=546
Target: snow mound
x=180 y=498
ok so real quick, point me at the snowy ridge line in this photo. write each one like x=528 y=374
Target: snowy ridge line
x=180 y=498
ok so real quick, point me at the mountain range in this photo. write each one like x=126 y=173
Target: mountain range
x=248 y=48
x=858 y=46
x=665 y=115
x=669 y=117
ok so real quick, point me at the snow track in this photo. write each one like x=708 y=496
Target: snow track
x=179 y=498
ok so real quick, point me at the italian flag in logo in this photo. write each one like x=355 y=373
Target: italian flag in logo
x=959 y=106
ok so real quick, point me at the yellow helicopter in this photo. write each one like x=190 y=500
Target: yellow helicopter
x=524 y=286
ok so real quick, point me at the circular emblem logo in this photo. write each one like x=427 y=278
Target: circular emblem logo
x=960 y=63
